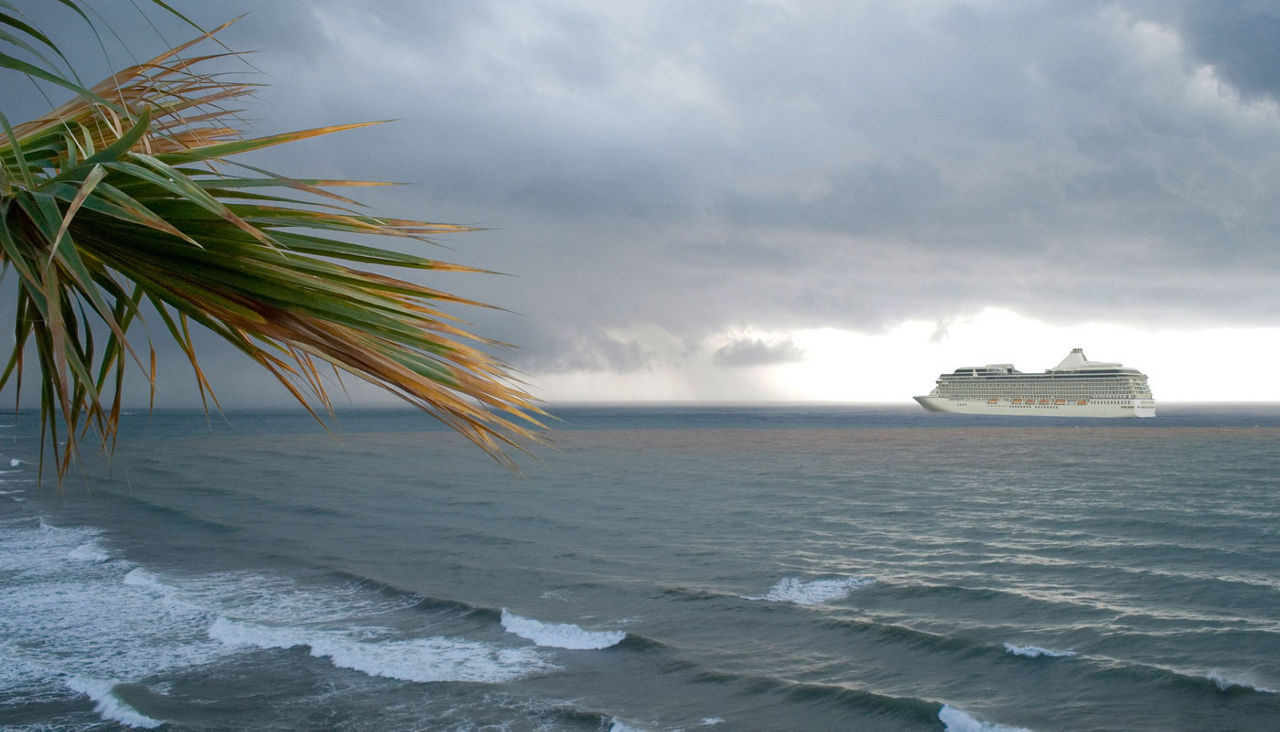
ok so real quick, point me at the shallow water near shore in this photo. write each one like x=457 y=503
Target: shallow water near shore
x=861 y=567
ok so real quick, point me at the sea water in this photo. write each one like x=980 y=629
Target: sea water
x=655 y=569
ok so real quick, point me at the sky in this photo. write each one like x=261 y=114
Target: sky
x=793 y=201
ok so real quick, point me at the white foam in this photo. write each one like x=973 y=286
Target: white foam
x=956 y=720
x=139 y=577
x=20 y=679
x=559 y=635
x=1225 y=681
x=89 y=552
x=108 y=706
x=79 y=614
x=418 y=659
x=82 y=613
x=275 y=599
x=814 y=592
x=14 y=462
x=1036 y=651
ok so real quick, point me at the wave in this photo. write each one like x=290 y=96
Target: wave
x=618 y=725
x=898 y=635
x=274 y=599
x=79 y=614
x=813 y=591
x=150 y=583
x=1210 y=683
x=88 y=615
x=422 y=660
x=956 y=720
x=1036 y=651
x=108 y=705
x=1225 y=681
x=89 y=552
x=560 y=635
x=899 y=711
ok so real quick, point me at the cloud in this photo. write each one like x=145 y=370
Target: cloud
x=1238 y=38
x=756 y=352
x=697 y=169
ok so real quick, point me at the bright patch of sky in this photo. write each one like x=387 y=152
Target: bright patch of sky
x=834 y=365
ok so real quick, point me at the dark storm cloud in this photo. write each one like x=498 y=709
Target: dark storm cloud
x=756 y=352
x=596 y=351
x=1241 y=38
x=696 y=169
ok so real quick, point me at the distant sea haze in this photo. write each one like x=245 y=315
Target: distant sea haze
x=659 y=568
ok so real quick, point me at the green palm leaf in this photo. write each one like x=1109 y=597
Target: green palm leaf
x=125 y=195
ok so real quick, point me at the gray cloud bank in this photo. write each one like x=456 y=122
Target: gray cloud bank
x=699 y=167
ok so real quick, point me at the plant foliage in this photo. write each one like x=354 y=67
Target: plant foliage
x=123 y=203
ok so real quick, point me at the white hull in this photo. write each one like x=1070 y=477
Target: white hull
x=1055 y=408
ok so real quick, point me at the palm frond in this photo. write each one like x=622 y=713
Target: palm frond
x=124 y=195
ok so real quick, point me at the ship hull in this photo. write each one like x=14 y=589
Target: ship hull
x=1027 y=408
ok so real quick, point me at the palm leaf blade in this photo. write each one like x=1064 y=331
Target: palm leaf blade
x=126 y=183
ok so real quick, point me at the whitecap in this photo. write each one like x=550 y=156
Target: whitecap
x=79 y=615
x=151 y=582
x=140 y=577
x=14 y=462
x=1225 y=682
x=279 y=600
x=88 y=552
x=956 y=720
x=417 y=659
x=108 y=706
x=1036 y=651
x=814 y=592
x=560 y=635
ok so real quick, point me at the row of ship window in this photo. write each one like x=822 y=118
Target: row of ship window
x=1016 y=391
x=1019 y=392
x=1043 y=389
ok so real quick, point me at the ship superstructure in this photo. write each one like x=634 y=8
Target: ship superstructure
x=1077 y=387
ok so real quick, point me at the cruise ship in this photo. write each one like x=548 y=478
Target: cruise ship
x=1077 y=387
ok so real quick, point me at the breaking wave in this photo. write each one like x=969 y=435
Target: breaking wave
x=416 y=659
x=559 y=635
x=1225 y=682
x=956 y=720
x=815 y=591
x=1036 y=651
x=108 y=706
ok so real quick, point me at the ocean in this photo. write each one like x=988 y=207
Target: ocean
x=657 y=568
